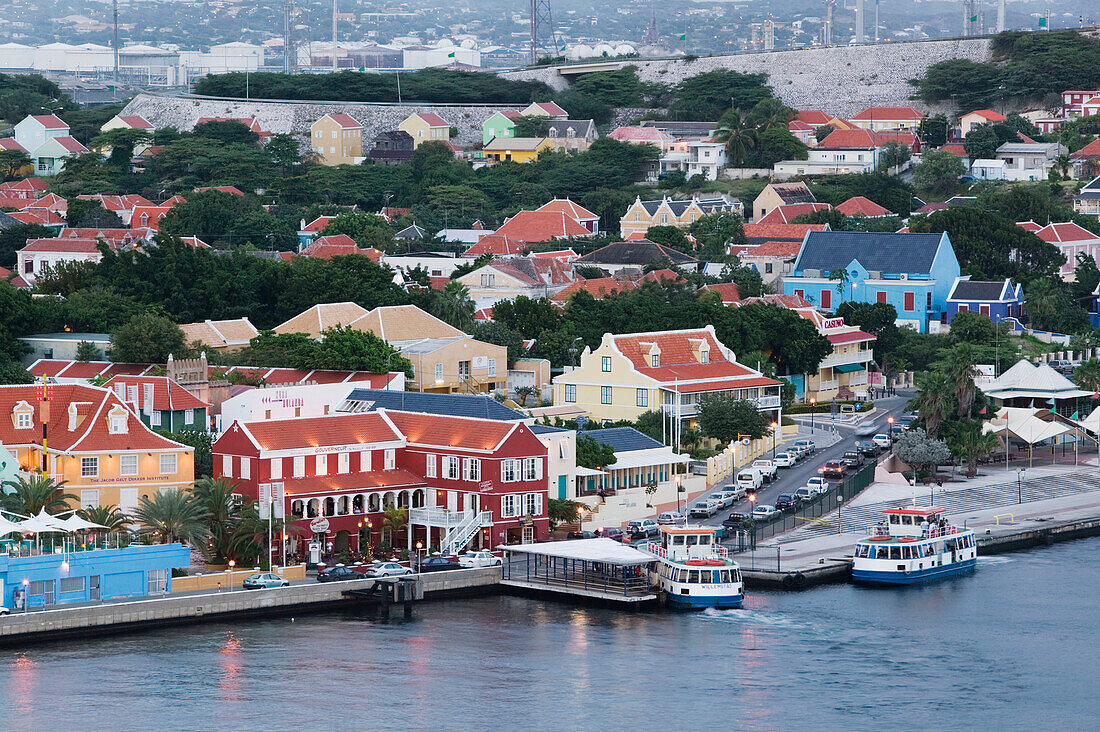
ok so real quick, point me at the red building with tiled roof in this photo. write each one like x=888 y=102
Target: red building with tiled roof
x=95 y=443
x=759 y=233
x=160 y=402
x=813 y=117
x=862 y=206
x=888 y=118
x=337 y=245
x=463 y=481
x=580 y=214
x=538 y=226
x=787 y=214
x=1071 y=239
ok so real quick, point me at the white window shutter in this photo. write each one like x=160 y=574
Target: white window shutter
x=538 y=468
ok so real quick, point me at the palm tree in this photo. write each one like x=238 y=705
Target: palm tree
x=960 y=368
x=393 y=522
x=1087 y=375
x=173 y=515
x=969 y=444
x=1063 y=161
x=1041 y=303
x=454 y=305
x=933 y=401
x=769 y=113
x=739 y=136
x=223 y=514
x=109 y=517
x=30 y=496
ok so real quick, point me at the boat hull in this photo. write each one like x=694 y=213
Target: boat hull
x=917 y=576
x=688 y=602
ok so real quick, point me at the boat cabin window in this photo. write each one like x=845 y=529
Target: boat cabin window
x=693 y=576
x=895 y=552
x=677 y=539
x=907 y=520
x=725 y=575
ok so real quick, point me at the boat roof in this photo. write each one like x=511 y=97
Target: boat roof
x=915 y=511
x=688 y=529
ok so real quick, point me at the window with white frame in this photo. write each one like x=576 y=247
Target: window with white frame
x=509 y=505
x=492 y=367
x=439 y=372
x=227 y=466
x=655 y=360
x=116 y=424
x=509 y=470
x=24 y=420
x=429 y=466
x=276 y=468
x=168 y=464
x=605 y=364
x=154 y=418
x=189 y=416
x=570 y=392
x=299 y=466
x=71 y=584
x=89 y=467
x=157 y=581
x=642 y=398
x=89 y=498
x=364 y=461
x=605 y=395
x=450 y=468
x=343 y=462
x=534 y=504
x=246 y=468
x=471 y=469
x=322 y=465
x=532 y=468
x=391 y=459
x=128 y=465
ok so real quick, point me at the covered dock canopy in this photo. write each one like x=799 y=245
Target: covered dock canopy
x=601 y=568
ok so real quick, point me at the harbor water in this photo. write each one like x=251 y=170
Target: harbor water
x=1012 y=645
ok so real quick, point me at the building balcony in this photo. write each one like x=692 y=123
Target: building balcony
x=443 y=518
x=836 y=359
x=828 y=385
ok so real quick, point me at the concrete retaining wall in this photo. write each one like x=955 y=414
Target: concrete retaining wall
x=221 y=580
x=19 y=629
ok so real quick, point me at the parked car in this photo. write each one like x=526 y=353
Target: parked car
x=611 y=532
x=818 y=485
x=785 y=460
x=897 y=431
x=671 y=518
x=806 y=494
x=1062 y=366
x=387 y=569
x=437 y=564
x=867 y=448
x=852 y=459
x=907 y=418
x=809 y=446
x=642 y=527
x=750 y=479
x=580 y=535
x=703 y=509
x=480 y=558
x=337 y=573
x=734 y=493
x=764 y=513
x=724 y=501
x=262 y=581
x=734 y=520
x=767 y=468
x=833 y=469
x=787 y=501
x=882 y=440
x=5 y=610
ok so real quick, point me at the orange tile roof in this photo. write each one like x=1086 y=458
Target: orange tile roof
x=850 y=139
x=861 y=206
x=1064 y=233
x=344 y=120
x=83 y=246
x=570 y=209
x=500 y=246
x=676 y=346
x=461 y=432
x=539 y=226
x=814 y=117
x=598 y=288
x=988 y=114
x=955 y=149
x=327 y=247
x=1092 y=150
x=167 y=394
x=786 y=214
x=726 y=290
x=889 y=113
x=773 y=249
x=327 y=431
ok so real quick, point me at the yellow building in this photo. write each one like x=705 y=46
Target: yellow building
x=667 y=212
x=426 y=127
x=661 y=370
x=517 y=149
x=101 y=449
x=337 y=139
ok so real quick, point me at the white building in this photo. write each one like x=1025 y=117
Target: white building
x=695 y=158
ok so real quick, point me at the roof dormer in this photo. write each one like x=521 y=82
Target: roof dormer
x=22 y=416
x=118 y=420
x=653 y=354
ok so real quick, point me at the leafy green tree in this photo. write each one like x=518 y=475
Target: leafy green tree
x=453 y=305
x=933 y=130
x=972 y=327
x=109 y=517
x=14 y=238
x=171 y=515
x=770 y=112
x=593 y=454
x=228 y=132
x=119 y=144
x=221 y=514
x=86 y=351
x=532 y=126
x=894 y=155
x=500 y=334
x=922 y=452
x=739 y=136
x=724 y=418
x=345 y=349
x=709 y=94
x=934 y=402
x=715 y=233
x=960 y=367
x=527 y=317
x=203 y=444
x=225 y=219
x=670 y=236
x=776 y=144
x=91 y=215
x=284 y=152
x=30 y=495
x=12 y=163
x=969 y=85
x=981 y=142
x=938 y=171
x=393 y=522
x=1087 y=376
x=368 y=230
x=147 y=338
x=969 y=444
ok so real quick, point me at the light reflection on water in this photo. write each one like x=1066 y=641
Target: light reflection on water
x=1011 y=645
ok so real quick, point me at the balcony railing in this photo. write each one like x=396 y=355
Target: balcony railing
x=836 y=359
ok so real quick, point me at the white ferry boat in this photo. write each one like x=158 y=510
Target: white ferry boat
x=914 y=544
x=694 y=571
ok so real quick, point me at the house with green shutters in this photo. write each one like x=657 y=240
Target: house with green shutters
x=501 y=124
x=161 y=403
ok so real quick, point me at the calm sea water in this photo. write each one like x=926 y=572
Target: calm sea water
x=1012 y=646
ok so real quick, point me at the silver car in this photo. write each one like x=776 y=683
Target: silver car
x=387 y=569
x=671 y=518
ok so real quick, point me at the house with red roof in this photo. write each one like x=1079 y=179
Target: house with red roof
x=27 y=189
x=780 y=194
x=49 y=157
x=544 y=109
x=41 y=255
x=8 y=276
x=597 y=287
x=772 y=259
x=580 y=214
x=507 y=279
x=464 y=481
x=121 y=205
x=97 y=444
x=9 y=143
x=148 y=217
x=787 y=214
x=887 y=118
x=970 y=120
x=843 y=151
x=39 y=216
x=756 y=234
x=1086 y=161
x=726 y=290
x=160 y=402
x=425 y=127
x=498 y=246
x=813 y=117
x=643 y=136
x=1073 y=101
x=629 y=374
x=49 y=202
x=862 y=206
x=1071 y=239
x=526 y=228
x=114 y=237
x=803 y=132
x=338 y=245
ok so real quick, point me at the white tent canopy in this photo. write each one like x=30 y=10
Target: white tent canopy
x=8 y=527
x=607 y=551
x=1024 y=424
x=75 y=523
x=44 y=523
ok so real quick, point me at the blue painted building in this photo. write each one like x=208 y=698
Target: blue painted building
x=998 y=300
x=103 y=574
x=912 y=272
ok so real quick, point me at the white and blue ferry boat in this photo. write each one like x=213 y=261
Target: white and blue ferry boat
x=693 y=570
x=913 y=545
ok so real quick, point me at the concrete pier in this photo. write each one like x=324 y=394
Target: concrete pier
x=89 y=620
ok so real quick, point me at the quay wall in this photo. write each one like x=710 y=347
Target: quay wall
x=221 y=580
x=89 y=620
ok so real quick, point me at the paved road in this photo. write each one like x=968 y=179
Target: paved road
x=790 y=479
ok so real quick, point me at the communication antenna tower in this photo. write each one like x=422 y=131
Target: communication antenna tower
x=543 y=36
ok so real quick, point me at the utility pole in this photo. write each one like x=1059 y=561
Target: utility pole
x=288 y=36
x=876 y=20
x=860 y=38
x=334 y=35
x=116 y=46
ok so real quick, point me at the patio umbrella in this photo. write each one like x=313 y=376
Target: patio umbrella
x=44 y=523
x=9 y=527
x=75 y=523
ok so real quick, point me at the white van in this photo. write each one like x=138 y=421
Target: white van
x=751 y=479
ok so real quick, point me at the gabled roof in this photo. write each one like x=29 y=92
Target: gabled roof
x=641 y=134
x=598 y=288
x=464 y=433
x=1065 y=233
x=220 y=333
x=111 y=202
x=81 y=246
x=167 y=394
x=861 y=206
x=987 y=114
x=152 y=214
x=135 y=122
x=319 y=318
x=452 y=405
x=431 y=119
x=788 y=213
x=500 y=246
x=889 y=114
x=569 y=208
x=727 y=291
x=69 y=144
x=981 y=291
x=318 y=223
x=540 y=226
x=778 y=248
x=797 y=192
x=7 y=143
x=791 y=302
x=329 y=431
x=551 y=109
x=345 y=121
x=336 y=245
x=623 y=439
x=955 y=149
x=850 y=140
x=677 y=347
x=829 y=250
x=533 y=271
x=1092 y=150
x=401 y=323
x=638 y=253
x=813 y=117
x=780 y=231
x=50 y=121
x=411 y=231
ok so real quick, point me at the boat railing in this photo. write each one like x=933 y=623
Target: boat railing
x=946 y=531
x=655 y=548
x=878 y=530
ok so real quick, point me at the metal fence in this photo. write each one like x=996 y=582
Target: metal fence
x=808 y=513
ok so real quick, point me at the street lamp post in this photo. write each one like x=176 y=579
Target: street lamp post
x=679 y=501
x=419 y=559
x=890 y=434
x=839 y=505
x=1020 y=485
x=775 y=426
x=813 y=408
x=232 y=564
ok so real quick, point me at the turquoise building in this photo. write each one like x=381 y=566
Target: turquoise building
x=103 y=574
x=912 y=272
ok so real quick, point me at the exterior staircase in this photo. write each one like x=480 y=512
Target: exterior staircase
x=460 y=535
